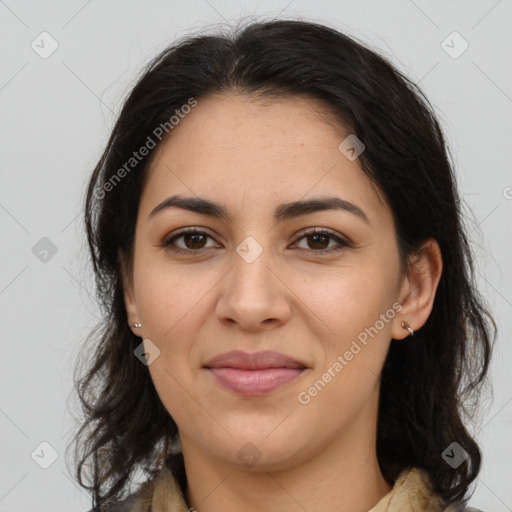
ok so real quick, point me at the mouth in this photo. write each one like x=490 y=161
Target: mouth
x=254 y=382
x=254 y=374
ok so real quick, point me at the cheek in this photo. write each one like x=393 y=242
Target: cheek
x=168 y=297
x=355 y=306
x=168 y=305
x=347 y=300
x=169 y=302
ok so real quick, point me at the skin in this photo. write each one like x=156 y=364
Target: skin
x=251 y=156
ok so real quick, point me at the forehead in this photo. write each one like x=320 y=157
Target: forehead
x=252 y=153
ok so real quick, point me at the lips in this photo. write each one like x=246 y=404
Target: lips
x=253 y=361
x=254 y=374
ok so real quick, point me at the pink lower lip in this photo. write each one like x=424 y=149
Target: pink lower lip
x=254 y=382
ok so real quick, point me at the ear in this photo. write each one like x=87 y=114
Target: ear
x=418 y=289
x=132 y=314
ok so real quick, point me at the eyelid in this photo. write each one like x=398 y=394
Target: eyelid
x=184 y=231
x=323 y=231
x=342 y=240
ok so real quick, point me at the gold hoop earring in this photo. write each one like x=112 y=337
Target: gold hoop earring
x=405 y=325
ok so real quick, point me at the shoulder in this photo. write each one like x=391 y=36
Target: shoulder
x=139 y=501
x=167 y=485
x=413 y=490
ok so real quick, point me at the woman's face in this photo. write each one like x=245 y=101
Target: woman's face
x=255 y=280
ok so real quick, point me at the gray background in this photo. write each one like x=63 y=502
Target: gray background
x=56 y=114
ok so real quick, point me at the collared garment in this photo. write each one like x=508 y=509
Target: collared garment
x=411 y=492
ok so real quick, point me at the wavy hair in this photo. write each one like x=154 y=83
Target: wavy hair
x=429 y=385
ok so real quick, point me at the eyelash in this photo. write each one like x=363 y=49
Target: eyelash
x=168 y=242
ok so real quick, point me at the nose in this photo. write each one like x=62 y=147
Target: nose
x=254 y=295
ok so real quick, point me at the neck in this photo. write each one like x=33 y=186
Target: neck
x=344 y=476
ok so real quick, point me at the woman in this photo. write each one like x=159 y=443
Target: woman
x=290 y=316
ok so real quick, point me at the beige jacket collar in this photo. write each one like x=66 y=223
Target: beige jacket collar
x=410 y=493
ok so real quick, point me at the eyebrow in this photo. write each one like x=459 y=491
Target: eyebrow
x=282 y=212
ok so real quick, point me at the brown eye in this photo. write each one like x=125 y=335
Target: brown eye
x=189 y=241
x=318 y=240
x=194 y=240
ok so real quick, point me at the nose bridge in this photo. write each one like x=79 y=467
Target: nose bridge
x=251 y=275
x=253 y=293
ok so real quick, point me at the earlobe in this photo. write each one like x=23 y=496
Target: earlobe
x=129 y=296
x=419 y=289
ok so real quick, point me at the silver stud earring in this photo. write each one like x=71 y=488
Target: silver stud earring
x=405 y=325
x=137 y=326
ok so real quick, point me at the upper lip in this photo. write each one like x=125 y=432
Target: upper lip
x=253 y=361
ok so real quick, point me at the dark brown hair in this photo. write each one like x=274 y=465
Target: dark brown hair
x=429 y=385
